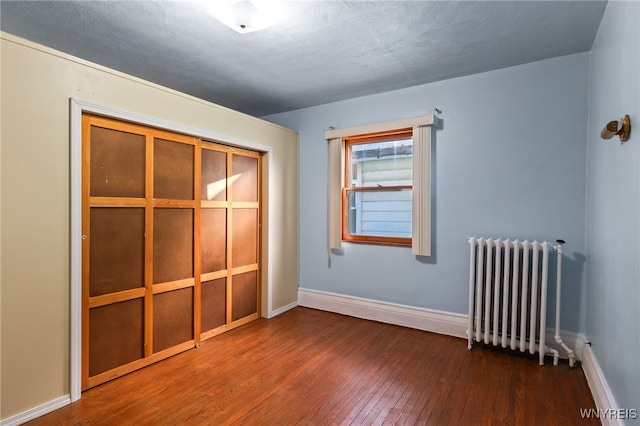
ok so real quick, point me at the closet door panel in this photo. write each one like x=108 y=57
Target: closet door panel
x=214 y=176
x=116 y=335
x=172 y=318
x=213 y=238
x=214 y=296
x=117 y=163
x=245 y=237
x=245 y=178
x=173 y=170
x=172 y=244
x=117 y=238
x=245 y=289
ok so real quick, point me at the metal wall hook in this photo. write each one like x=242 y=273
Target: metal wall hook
x=612 y=128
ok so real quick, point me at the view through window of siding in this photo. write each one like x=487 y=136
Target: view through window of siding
x=381 y=205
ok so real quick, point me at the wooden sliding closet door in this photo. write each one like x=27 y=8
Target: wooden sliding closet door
x=229 y=262
x=170 y=244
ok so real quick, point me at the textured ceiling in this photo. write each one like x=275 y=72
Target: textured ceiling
x=322 y=51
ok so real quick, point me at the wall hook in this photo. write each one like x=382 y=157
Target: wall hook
x=611 y=129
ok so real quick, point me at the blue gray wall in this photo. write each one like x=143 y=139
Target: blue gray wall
x=613 y=204
x=509 y=162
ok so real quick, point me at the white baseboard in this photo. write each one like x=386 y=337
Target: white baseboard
x=283 y=309
x=36 y=412
x=598 y=385
x=448 y=323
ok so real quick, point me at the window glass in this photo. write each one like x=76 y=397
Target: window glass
x=383 y=163
x=380 y=213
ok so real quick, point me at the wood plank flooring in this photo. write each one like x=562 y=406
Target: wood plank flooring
x=309 y=367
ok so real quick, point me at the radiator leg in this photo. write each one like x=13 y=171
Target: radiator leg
x=556 y=355
x=570 y=354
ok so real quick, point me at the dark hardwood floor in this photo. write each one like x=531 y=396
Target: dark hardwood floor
x=309 y=367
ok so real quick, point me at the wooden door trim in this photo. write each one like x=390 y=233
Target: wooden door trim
x=197 y=255
x=148 y=249
x=121 y=296
x=85 y=257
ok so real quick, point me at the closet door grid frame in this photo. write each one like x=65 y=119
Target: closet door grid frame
x=170 y=256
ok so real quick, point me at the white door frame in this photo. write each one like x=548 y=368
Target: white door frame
x=77 y=109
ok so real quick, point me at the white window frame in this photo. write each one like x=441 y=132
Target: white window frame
x=423 y=132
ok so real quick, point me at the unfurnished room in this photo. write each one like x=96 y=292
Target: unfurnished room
x=271 y=212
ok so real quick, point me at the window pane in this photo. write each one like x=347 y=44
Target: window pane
x=384 y=163
x=379 y=213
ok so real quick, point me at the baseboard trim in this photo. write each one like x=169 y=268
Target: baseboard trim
x=441 y=322
x=283 y=309
x=598 y=385
x=36 y=412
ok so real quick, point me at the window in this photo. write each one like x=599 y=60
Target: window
x=380 y=184
x=377 y=196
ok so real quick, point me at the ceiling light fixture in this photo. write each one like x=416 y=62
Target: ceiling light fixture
x=244 y=16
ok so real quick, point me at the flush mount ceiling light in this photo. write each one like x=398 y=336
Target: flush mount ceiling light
x=244 y=16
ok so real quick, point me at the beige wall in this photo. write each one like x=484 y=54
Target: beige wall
x=37 y=84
